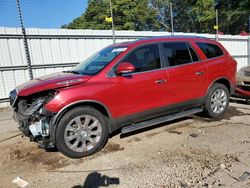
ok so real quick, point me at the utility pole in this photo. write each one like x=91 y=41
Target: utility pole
x=248 y=40
x=25 y=42
x=172 y=21
x=113 y=25
x=217 y=5
x=217 y=24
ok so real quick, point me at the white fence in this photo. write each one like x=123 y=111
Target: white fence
x=54 y=50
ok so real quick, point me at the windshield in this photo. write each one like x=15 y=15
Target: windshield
x=99 y=60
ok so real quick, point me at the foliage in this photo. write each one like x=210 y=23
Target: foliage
x=128 y=15
x=154 y=15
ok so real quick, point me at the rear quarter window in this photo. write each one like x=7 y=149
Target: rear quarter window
x=210 y=50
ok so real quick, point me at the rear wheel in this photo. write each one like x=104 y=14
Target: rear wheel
x=248 y=101
x=217 y=101
x=81 y=132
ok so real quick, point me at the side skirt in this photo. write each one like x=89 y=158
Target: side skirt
x=117 y=124
x=152 y=122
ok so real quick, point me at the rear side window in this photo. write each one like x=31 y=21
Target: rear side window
x=178 y=53
x=210 y=50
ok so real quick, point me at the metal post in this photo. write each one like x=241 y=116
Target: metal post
x=249 y=24
x=248 y=44
x=113 y=25
x=248 y=50
x=172 y=21
x=217 y=25
x=25 y=42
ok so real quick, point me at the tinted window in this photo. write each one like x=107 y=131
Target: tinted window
x=176 y=53
x=145 y=58
x=210 y=50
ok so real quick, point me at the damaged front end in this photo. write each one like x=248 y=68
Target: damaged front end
x=33 y=119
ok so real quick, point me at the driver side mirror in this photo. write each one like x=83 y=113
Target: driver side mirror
x=124 y=68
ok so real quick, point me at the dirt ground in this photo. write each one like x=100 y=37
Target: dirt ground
x=191 y=152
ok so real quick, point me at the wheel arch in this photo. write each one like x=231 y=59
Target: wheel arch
x=90 y=103
x=223 y=81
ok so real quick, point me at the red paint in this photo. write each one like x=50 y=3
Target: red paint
x=139 y=92
x=125 y=67
x=242 y=92
x=52 y=81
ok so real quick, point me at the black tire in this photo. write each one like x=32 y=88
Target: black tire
x=208 y=111
x=67 y=118
x=248 y=101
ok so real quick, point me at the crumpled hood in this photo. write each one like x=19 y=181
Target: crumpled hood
x=51 y=81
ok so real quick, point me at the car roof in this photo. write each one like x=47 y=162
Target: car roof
x=159 y=39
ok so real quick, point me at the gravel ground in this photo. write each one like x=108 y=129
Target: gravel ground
x=190 y=152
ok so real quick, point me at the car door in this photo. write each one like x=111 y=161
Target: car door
x=142 y=92
x=187 y=76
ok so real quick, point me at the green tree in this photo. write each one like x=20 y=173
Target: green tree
x=128 y=15
x=233 y=15
x=189 y=15
x=184 y=15
x=205 y=15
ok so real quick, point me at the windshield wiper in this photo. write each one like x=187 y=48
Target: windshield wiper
x=72 y=71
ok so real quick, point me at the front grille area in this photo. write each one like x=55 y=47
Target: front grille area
x=247 y=83
x=13 y=96
x=246 y=73
x=246 y=88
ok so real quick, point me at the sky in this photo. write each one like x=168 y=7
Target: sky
x=41 y=13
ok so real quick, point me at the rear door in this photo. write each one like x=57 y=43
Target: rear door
x=187 y=75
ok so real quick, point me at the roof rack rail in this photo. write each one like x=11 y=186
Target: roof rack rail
x=171 y=36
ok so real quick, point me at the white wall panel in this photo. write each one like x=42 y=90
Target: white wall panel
x=2 y=86
x=5 y=59
x=47 y=52
x=36 y=55
x=241 y=62
x=9 y=82
x=235 y=47
x=56 y=50
x=56 y=46
x=19 y=76
x=65 y=52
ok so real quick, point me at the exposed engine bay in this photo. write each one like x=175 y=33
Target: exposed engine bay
x=33 y=119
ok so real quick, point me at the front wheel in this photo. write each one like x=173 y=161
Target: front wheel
x=217 y=101
x=81 y=132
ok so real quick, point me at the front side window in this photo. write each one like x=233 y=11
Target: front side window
x=177 y=53
x=145 y=58
x=210 y=50
x=98 y=61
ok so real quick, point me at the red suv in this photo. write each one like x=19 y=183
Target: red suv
x=126 y=86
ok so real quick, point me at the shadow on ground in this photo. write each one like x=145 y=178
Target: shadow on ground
x=96 y=180
x=234 y=111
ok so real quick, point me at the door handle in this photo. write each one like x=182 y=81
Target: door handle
x=160 y=81
x=199 y=73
